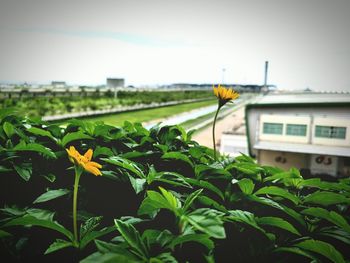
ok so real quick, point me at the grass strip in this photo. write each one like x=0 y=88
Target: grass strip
x=118 y=119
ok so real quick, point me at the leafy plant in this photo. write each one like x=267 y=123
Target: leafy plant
x=162 y=197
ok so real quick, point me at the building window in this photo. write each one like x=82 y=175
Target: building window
x=296 y=129
x=272 y=128
x=330 y=132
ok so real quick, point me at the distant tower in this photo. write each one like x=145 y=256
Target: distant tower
x=266 y=72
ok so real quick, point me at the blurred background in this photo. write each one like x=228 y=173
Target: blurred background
x=157 y=61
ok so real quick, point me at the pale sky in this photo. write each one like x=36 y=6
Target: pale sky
x=307 y=42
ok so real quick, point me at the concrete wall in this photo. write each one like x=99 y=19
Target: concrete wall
x=283 y=160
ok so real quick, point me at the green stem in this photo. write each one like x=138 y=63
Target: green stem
x=75 y=201
x=214 y=144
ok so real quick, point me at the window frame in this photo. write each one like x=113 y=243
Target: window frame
x=333 y=133
x=298 y=125
x=272 y=123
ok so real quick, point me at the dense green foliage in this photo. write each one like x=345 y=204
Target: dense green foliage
x=41 y=106
x=162 y=198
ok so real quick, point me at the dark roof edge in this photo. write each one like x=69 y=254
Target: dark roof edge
x=298 y=105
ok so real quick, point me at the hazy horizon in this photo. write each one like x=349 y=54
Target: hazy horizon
x=307 y=43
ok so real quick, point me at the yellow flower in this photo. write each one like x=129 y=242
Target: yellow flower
x=224 y=95
x=84 y=160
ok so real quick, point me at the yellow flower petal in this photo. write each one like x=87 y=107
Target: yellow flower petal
x=94 y=164
x=88 y=154
x=84 y=160
x=224 y=94
x=92 y=169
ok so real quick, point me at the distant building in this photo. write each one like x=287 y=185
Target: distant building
x=115 y=83
x=238 y=87
x=58 y=84
x=309 y=131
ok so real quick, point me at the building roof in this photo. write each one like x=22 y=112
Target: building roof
x=298 y=99
x=302 y=148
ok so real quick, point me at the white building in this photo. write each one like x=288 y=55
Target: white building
x=308 y=131
x=233 y=144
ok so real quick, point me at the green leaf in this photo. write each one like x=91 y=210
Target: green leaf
x=292 y=173
x=131 y=220
x=35 y=147
x=213 y=172
x=336 y=233
x=189 y=200
x=49 y=195
x=297 y=251
x=171 y=199
x=330 y=216
x=103 y=151
x=177 y=156
x=163 y=258
x=169 y=178
x=244 y=217
x=278 y=222
x=199 y=238
x=41 y=132
x=4 y=234
x=31 y=220
x=245 y=159
x=13 y=210
x=89 y=225
x=246 y=185
x=149 y=207
x=265 y=201
x=92 y=235
x=50 y=177
x=132 y=237
x=298 y=217
x=151 y=237
x=126 y=164
x=57 y=245
x=155 y=201
x=25 y=171
x=138 y=184
x=207 y=221
x=110 y=258
x=106 y=247
x=40 y=213
x=208 y=202
x=4 y=169
x=73 y=136
x=206 y=185
x=8 y=111
x=322 y=248
x=317 y=183
x=9 y=129
x=274 y=190
x=246 y=168
x=326 y=198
